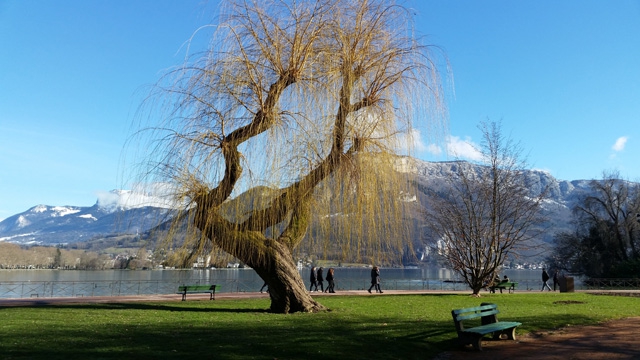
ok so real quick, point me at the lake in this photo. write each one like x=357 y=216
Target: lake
x=77 y=283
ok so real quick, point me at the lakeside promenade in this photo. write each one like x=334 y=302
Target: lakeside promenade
x=248 y=295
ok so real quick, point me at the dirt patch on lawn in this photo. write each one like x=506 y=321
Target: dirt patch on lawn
x=618 y=339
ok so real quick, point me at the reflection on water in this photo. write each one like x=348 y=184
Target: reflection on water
x=63 y=283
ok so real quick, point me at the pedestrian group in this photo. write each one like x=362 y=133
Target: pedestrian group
x=316 y=279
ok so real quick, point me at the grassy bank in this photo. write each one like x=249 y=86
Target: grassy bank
x=357 y=327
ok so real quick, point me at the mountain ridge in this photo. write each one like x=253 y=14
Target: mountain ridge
x=131 y=212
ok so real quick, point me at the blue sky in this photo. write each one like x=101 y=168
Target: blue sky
x=562 y=77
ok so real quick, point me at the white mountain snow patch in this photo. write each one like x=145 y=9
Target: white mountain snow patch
x=40 y=208
x=22 y=221
x=14 y=237
x=56 y=211
x=63 y=211
x=88 y=216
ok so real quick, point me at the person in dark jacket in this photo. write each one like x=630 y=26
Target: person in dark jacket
x=375 y=280
x=330 y=281
x=320 y=279
x=313 y=279
x=545 y=278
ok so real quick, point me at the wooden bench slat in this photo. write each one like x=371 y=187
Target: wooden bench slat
x=477 y=315
x=509 y=285
x=195 y=287
x=198 y=289
x=490 y=328
x=477 y=308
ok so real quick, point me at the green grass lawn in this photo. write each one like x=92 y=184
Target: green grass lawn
x=357 y=327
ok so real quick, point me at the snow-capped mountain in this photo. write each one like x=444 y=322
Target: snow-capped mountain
x=561 y=192
x=113 y=213
x=135 y=211
x=563 y=195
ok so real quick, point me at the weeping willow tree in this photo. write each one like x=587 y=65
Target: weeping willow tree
x=294 y=112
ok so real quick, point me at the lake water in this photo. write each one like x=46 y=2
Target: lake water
x=76 y=283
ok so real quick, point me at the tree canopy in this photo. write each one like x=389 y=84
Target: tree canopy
x=301 y=104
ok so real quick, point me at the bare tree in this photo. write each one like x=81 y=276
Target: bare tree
x=484 y=213
x=606 y=240
x=614 y=206
x=299 y=104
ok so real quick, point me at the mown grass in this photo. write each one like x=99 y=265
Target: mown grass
x=357 y=327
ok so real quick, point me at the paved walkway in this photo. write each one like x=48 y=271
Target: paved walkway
x=247 y=295
x=177 y=297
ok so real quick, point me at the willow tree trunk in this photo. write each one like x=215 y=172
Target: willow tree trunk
x=287 y=290
x=270 y=258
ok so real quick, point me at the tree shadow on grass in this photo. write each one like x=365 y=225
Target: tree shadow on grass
x=251 y=337
x=146 y=306
x=213 y=331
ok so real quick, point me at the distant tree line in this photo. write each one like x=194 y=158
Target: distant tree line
x=606 y=240
x=13 y=256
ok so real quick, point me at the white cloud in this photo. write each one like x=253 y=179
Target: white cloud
x=620 y=143
x=458 y=148
x=157 y=195
x=463 y=149
x=412 y=141
x=434 y=149
x=454 y=146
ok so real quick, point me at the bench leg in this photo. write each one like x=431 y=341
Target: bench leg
x=477 y=343
x=511 y=334
x=470 y=339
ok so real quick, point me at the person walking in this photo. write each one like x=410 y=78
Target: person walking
x=313 y=279
x=330 y=281
x=265 y=285
x=545 y=278
x=375 y=280
x=320 y=279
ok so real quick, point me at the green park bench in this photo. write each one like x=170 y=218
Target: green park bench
x=489 y=324
x=509 y=285
x=198 y=289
